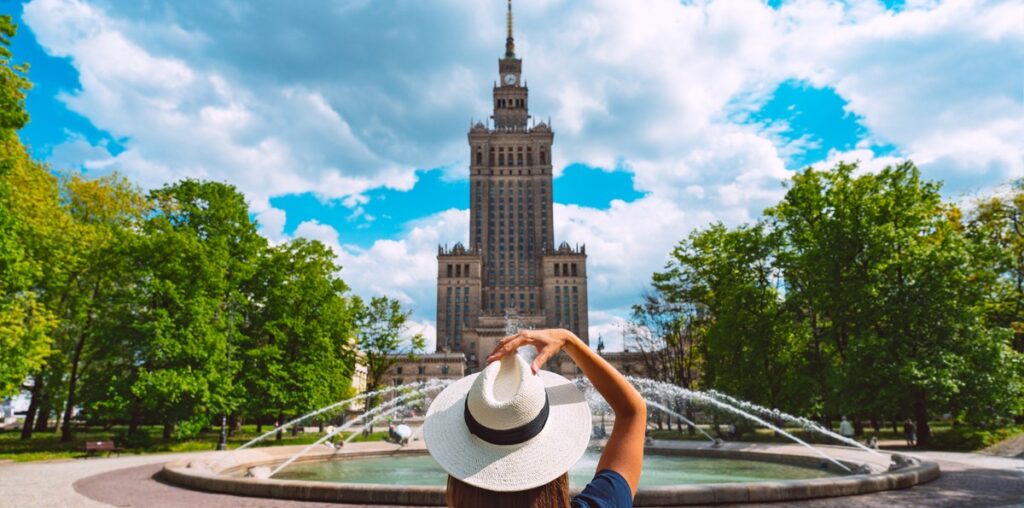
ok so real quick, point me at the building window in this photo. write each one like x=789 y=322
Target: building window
x=398 y=370
x=574 y=269
x=557 y=272
x=449 y=270
x=421 y=370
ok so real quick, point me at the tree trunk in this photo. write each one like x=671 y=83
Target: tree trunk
x=875 y=424
x=858 y=427
x=66 y=431
x=168 y=430
x=924 y=431
x=33 y=407
x=136 y=418
x=280 y=420
x=259 y=426
x=43 y=416
x=895 y=426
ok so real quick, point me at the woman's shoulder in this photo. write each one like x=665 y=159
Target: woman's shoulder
x=608 y=489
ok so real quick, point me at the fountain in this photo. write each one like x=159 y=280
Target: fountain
x=675 y=472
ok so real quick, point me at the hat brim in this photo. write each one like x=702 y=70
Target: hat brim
x=511 y=467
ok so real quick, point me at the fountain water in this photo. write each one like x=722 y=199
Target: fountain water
x=662 y=408
x=651 y=389
x=655 y=393
x=391 y=406
x=317 y=412
x=799 y=420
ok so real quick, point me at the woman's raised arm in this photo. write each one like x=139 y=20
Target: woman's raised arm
x=624 y=452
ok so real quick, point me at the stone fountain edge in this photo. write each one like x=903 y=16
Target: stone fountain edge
x=199 y=475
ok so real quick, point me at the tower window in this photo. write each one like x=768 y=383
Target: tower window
x=574 y=269
x=557 y=271
x=449 y=270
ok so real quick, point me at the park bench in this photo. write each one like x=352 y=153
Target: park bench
x=95 y=447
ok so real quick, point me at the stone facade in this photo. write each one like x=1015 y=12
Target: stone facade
x=426 y=367
x=512 y=263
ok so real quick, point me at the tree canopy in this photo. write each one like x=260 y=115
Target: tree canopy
x=860 y=294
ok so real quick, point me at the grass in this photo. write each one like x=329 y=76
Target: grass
x=944 y=436
x=47 y=445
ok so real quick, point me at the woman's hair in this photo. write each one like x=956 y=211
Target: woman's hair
x=554 y=494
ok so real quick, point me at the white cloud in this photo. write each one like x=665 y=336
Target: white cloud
x=339 y=98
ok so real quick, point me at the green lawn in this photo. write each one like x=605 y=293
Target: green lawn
x=47 y=445
x=944 y=436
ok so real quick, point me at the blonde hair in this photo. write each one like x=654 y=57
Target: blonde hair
x=554 y=494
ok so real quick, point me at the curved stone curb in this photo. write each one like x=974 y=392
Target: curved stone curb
x=200 y=476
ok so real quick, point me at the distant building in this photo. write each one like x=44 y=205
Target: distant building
x=512 y=261
x=629 y=363
x=426 y=367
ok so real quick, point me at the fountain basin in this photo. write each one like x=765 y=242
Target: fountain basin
x=227 y=478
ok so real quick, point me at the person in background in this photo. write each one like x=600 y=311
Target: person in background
x=846 y=428
x=910 y=432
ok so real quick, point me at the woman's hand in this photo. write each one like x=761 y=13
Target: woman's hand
x=547 y=342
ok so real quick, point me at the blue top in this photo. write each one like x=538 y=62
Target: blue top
x=608 y=489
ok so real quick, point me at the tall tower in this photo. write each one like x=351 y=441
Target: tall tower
x=511 y=264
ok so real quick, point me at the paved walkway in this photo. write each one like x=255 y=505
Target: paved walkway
x=49 y=483
x=967 y=480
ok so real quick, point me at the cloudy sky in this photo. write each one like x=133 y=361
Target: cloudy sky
x=345 y=120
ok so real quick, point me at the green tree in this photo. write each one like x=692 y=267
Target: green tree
x=880 y=270
x=13 y=83
x=750 y=346
x=298 y=350
x=24 y=323
x=169 y=338
x=860 y=294
x=996 y=226
x=382 y=324
x=667 y=334
x=104 y=212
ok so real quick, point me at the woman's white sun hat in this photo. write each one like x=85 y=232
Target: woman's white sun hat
x=506 y=429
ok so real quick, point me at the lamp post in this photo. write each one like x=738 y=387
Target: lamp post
x=222 y=444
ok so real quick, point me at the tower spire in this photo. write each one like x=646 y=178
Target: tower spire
x=510 y=43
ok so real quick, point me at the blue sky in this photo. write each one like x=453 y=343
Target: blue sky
x=345 y=120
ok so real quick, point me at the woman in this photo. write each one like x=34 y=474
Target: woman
x=508 y=435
